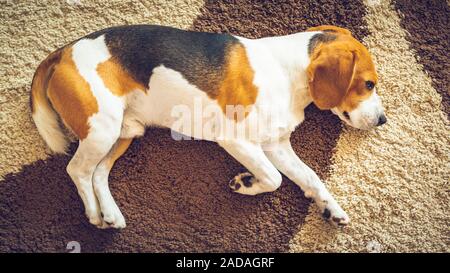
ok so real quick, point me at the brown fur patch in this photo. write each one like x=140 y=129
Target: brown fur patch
x=338 y=72
x=352 y=100
x=71 y=96
x=118 y=150
x=364 y=71
x=117 y=79
x=237 y=88
x=40 y=81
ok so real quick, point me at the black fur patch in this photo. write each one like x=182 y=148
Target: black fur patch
x=247 y=180
x=326 y=214
x=318 y=38
x=199 y=56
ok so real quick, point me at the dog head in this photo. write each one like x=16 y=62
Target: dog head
x=342 y=78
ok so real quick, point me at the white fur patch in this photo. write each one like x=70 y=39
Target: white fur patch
x=366 y=115
x=87 y=55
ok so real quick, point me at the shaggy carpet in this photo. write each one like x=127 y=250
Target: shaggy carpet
x=392 y=181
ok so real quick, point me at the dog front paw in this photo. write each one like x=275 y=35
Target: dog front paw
x=340 y=219
x=242 y=180
x=334 y=213
x=246 y=183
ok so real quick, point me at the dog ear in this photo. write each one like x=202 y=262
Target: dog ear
x=329 y=28
x=330 y=75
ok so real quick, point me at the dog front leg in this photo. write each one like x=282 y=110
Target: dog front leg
x=286 y=160
x=263 y=176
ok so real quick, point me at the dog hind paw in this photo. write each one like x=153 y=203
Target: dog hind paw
x=113 y=218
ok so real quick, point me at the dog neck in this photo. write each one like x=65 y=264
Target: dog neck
x=291 y=53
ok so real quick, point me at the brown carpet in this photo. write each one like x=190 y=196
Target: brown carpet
x=428 y=26
x=174 y=194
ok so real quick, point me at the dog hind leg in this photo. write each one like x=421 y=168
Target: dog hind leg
x=110 y=211
x=81 y=169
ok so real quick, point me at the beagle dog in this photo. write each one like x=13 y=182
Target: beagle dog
x=108 y=86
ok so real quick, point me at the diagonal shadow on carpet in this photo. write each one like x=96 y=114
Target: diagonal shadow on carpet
x=174 y=195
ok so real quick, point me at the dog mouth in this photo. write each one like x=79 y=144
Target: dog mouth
x=362 y=123
x=344 y=116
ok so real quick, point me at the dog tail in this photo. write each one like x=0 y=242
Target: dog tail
x=44 y=116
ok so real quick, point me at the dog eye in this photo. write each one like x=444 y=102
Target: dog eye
x=370 y=85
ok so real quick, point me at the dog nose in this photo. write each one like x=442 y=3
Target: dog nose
x=381 y=120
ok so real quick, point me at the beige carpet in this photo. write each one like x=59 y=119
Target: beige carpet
x=392 y=181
